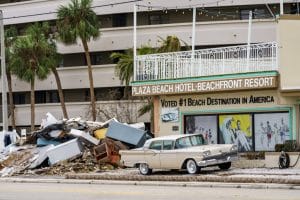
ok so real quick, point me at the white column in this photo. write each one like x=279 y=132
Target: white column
x=3 y=78
x=281 y=7
x=134 y=42
x=249 y=38
x=193 y=41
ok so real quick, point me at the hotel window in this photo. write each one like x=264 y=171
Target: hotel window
x=19 y=98
x=257 y=13
x=155 y=19
x=119 y=20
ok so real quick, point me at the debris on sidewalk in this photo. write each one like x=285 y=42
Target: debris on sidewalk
x=64 y=151
x=85 y=137
x=127 y=134
x=100 y=133
x=108 y=151
x=70 y=145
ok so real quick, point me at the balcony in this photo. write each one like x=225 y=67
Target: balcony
x=73 y=78
x=207 y=62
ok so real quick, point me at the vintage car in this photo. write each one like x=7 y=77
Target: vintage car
x=179 y=152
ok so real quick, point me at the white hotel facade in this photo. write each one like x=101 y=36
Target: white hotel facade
x=220 y=24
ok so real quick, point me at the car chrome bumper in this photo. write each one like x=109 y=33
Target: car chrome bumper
x=214 y=161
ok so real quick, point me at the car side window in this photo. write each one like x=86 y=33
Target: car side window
x=168 y=145
x=183 y=143
x=197 y=140
x=156 y=145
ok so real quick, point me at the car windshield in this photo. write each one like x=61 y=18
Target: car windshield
x=189 y=141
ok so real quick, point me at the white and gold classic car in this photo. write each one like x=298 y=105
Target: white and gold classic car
x=179 y=152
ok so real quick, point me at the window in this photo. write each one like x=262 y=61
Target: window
x=168 y=145
x=260 y=13
x=156 y=145
x=257 y=13
x=271 y=129
x=245 y=13
x=155 y=19
x=249 y=131
x=96 y=59
x=197 y=140
x=19 y=98
x=183 y=143
x=40 y=97
x=53 y=97
x=206 y=125
x=119 y=20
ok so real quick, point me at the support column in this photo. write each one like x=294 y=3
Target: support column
x=3 y=78
x=193 y=42
x=134 y=42
x=156 y=115
x=249 y=39
x=281 y=8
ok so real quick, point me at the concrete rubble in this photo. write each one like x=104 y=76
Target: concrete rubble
x=70 y=145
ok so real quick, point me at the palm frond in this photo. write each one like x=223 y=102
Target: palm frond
x=145 y=108
x=77 y=19
x=170 y=44
x=33 y=55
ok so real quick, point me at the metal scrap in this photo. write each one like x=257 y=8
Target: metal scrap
x=127 y=134
x=91 y=146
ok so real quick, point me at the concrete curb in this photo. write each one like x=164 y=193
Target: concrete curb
x=188 y=178
x=154 y=183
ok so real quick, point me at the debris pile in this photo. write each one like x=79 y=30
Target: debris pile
x=72 y=145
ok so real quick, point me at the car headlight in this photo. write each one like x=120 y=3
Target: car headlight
x=206 y=153
x=234 y=148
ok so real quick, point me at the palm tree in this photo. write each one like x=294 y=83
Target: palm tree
x=51 y=40
x=124 y=66
x=78 y=20
x=60 y=92
x=10 y=37
x=33 y=57
x=170 y=44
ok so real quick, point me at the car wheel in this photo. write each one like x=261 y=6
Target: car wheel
x=225 y=166
x=144 y=169
x=192 y=167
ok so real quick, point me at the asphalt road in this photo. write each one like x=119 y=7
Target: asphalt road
x=54 y=191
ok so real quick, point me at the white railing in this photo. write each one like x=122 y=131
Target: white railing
x=207 y=62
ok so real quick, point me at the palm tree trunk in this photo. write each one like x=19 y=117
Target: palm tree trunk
x=60 y=93
x=11 y=100
x=152 y=129
x=92 y=92
x=32 y=101
x=126 y=92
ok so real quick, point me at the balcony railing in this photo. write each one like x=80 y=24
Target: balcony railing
x=207 y=62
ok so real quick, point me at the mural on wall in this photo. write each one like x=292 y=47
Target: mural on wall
x=236 y=129
x=169 y=114
x=205 y=125
x=271 y=129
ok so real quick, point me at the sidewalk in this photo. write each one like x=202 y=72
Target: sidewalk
x=254 y=178
x=150 y=183
x=256 y=175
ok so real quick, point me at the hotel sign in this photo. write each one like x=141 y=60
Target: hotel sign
x=266 y=82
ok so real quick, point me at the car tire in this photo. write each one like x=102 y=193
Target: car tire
x=225 y=166
x=192 y=167
x=144 y=169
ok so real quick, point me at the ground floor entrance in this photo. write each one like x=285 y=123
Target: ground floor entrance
x=253 y=131
x=254 y=120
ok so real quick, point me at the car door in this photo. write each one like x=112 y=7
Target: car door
x=168 y=156
x=152 y=154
